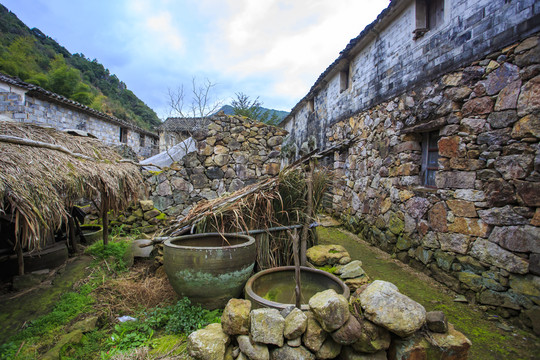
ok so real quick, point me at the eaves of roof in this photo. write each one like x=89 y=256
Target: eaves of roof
x=41 y=93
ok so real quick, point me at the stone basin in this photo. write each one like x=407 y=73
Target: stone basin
x=274 y=288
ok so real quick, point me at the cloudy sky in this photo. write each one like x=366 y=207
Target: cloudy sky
x=273 y=49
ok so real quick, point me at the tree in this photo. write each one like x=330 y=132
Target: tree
x=192 y=112
x=253 y=109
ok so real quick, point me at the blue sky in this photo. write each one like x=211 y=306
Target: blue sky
x=273 y=49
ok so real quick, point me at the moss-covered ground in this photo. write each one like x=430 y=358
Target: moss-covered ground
x=51 y=320
x=488 y=340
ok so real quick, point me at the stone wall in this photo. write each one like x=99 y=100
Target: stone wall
x=234 y=152
x=19 y=106
x=478 y=229
x=377 y=323
x=386 y=59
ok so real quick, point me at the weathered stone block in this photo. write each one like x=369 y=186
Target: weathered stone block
x=502 y=216
x=455 y=179
x=437 y=322
x=330 y=309
x=493 y=254
x=209 y=343
x=253 y=351
x=458 y=243
x=235 y=317
x=385 y=306
x=315 y=335
x=478 y=106
x=295 y=324
x=291 y=353
x=469 y=226
x=529 y=98
x=267 y=326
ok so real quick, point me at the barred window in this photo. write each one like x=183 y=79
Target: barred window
x=430 y=158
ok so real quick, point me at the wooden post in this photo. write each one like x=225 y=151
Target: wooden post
x=309 y=215
x=105 y=218
x=20 y=257
x=72 y=238
x=297 y=289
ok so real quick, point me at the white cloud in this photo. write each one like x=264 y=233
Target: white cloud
x=291 y=42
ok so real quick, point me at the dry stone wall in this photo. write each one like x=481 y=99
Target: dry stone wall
x=234 y=152
x=478 y=230
x=377 y=322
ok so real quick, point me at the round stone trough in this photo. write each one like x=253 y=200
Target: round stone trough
x=275 y=287
x=209 y=268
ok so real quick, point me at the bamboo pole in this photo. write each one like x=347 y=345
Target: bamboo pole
x=309 y=215
x=297 y=289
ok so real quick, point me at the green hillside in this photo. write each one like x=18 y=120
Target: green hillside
x=279 y=114
x=36 y=58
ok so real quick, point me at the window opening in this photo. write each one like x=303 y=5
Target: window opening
x=311 y=105
x=430 y=158
x=344 y=79
x=141 y=140
x=123 y=135
x=429 y=16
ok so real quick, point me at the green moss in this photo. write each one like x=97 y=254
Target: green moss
x=272 y=294
x=157 y=172
x=161 y=216
x=169 y=345
x=328 y=268
x=489 y=342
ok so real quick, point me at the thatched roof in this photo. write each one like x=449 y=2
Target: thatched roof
x=39 y=185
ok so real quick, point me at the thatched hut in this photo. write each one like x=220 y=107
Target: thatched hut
x=43 y=172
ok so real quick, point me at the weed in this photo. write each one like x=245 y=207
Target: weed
x=114 y=251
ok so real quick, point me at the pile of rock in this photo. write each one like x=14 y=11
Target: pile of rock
x=141 y=215
x=377 y=323
x=336 y=260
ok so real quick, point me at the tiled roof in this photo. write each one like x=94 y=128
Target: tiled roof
x=184 y=124
x=39 y=92
x=344 y=54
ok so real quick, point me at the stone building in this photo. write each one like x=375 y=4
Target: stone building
x=176 y=129
x=25 y=102
x=439 y=102
x=231 y=152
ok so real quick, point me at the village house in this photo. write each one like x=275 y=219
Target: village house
x=176 y=129
x=434 y=112
x=24 y=102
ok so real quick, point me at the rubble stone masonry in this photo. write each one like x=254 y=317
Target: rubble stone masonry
x=477 y=229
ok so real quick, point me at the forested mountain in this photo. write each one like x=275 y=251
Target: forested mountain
x=279 y=114
x=36 y=58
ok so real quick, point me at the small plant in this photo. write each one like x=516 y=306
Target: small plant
x=114 y=251
x=182 y=318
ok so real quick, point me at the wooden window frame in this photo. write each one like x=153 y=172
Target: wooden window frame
x=142 y=140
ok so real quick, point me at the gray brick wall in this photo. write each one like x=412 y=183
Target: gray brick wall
x=394 y=62
x=38 y=111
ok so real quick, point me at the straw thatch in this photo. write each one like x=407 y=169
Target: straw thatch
x=39 y=185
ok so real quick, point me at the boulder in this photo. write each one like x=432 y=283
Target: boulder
x=373 y=338
x=235 y=318
x=146 y=205
x=348 y=353
x=356 y=283
x=330 y=309
x=253 y=351
x=384 y=305
x=267 y=326
x=352 y=270
x=329 y=350
x=321 y=255
x=295 y=324
x=349 y=333
x=314 y=336
x=209 y=343
x=291 y=353
x=437 y=322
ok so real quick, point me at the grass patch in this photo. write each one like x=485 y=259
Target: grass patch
x=489 y=342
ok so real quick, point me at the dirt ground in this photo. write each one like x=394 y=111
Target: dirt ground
x=491 y=337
